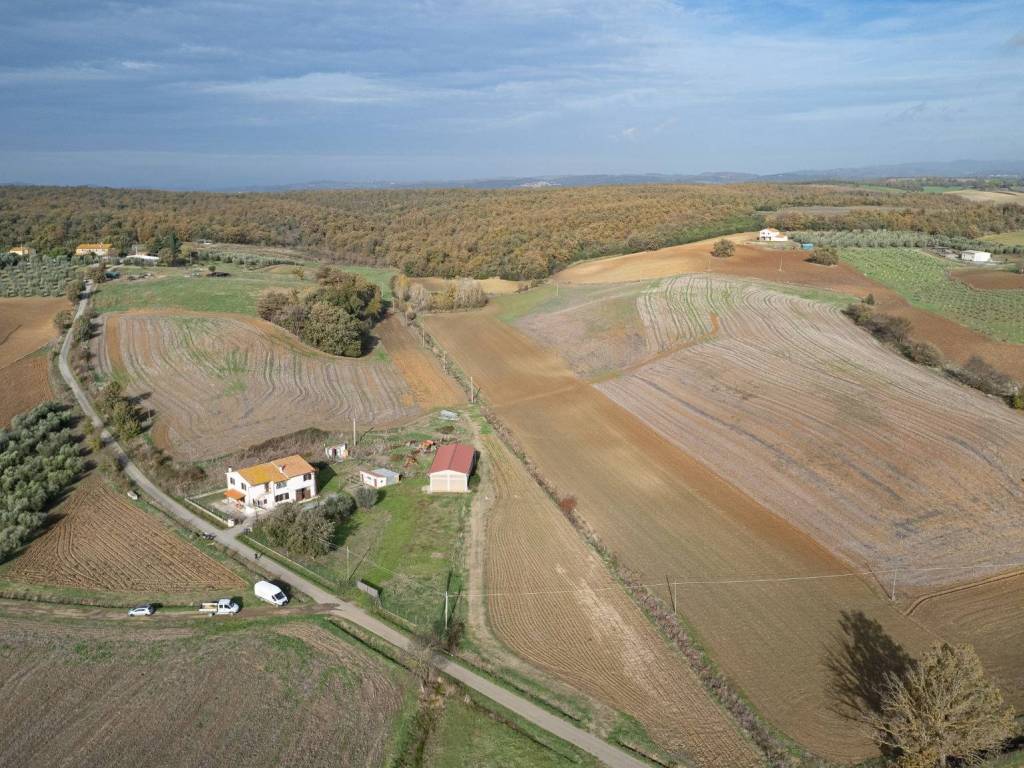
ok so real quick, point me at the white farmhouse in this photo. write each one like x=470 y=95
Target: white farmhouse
x=771 y=235
x=264 y=486
x=379 y=478
x=22 y=250
x=977 y=256
x=451 y=468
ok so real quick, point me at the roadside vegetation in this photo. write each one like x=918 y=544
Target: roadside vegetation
x=413 y=298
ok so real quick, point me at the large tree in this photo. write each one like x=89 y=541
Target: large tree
x=943 y=707
x=333 y=330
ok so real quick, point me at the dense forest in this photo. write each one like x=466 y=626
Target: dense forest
x=512 y=233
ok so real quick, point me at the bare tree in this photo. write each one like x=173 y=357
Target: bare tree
x=941 y=707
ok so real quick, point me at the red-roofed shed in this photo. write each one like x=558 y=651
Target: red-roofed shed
x=452 y=466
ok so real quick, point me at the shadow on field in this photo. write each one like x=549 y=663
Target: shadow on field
x=860 y=659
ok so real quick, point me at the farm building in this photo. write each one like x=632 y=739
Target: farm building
x=264 y=486
x=379 y=478
x=451 y=468
x=337 y=452
x=96 y=249
x=22 y=250
x=977 y=256
x=771 y=235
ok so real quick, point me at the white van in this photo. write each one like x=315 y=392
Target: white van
x=270 y=593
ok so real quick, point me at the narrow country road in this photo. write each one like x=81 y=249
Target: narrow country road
x=603 y=751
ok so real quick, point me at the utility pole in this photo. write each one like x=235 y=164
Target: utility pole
x=671 y=592
x=781 y=254
x=892 y=595
x=348 y=567
x=446 y=610
x=353 y=433
x=472 y=391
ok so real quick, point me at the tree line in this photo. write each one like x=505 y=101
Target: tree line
x=510 y=233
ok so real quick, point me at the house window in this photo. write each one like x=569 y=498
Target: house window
x=231 y=481
x=281 y=497
x=307 y=476
x=244 y=487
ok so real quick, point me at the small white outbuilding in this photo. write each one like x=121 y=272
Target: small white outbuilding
x=379 y=477
x=976 y=256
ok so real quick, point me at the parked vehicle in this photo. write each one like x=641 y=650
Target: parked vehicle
x=223 y=607
x=133 y=495
x=148 y=609
x=270 y=593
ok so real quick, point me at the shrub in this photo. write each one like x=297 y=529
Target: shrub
x=305 y=530
x=723 y=249
x=825 y=254
x=870 y=299
x=924 y=353
x=365 y=496
x=981 y=375
x=339 y=507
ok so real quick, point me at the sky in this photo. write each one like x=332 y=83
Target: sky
x=233 y=93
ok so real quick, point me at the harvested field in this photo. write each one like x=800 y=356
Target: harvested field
x=101 y=541
x=955 y=341
x=431 y=387
x=552 y=601
x=493 y=286
x=789 y=396
x=662 y=512
x=990 y=279
x=989 y=196
x=220 y=382
x=989 y=616
x=26 y=384
x=133 y=697
x=26 y=325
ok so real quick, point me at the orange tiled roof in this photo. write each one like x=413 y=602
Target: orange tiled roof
x=231 y=493
x=277 y=470
x=94 y=246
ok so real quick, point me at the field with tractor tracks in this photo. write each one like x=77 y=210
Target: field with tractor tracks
x=221 y=382
x=942 y=311
x=153 y=695
x=886 y=462
x=26 y=325
x=26 y=384
x=100 y=541
x=770 y=603
x=551 y=600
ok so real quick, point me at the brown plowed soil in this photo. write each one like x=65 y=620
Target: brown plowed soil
x=552 y=601
x=989 y=279
x=26 y=325
x=955 y=341
x=663 y=513
x=430 y=386
x=25 y=384
x=101 y=541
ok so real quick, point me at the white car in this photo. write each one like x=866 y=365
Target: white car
x=142 y=610
x=270 y=593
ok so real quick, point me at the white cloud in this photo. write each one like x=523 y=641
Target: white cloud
x=323 y=87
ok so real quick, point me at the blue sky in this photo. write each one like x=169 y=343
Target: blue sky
x=224 y=93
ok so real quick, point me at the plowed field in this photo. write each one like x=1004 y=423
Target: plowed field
x=431 y=387
x=884 y=461
x=25 y=384
x=25 y=325
x=663 y=512
x=103 y=542
x=132 y=697
x=222 y=382
x=955 y=341
x=552 y=601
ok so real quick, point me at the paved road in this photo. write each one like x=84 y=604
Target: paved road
x=599 y=748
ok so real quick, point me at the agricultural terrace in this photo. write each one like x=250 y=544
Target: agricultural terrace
x=100 y=541
x=221 y=382
x=410 y=543
x=552 y=601
x=781 y=396
x=926 y=282
x=236 y=292
x=661 y=512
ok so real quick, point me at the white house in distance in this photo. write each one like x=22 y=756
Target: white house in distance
x=771 y=235
x=22 y=250
x=96 y=249
x=379 y=477
x=264 y=486
x=451 y=468
x=976 y=256
x=338 y=452
x=142 y=258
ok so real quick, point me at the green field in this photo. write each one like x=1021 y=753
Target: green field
x=1007 y=238
x=172 y=287
x=925 y=282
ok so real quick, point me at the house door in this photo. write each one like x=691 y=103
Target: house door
x=302 y=494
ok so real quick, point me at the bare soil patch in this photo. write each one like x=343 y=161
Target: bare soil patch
x=989 y=196
x=430 y=386
x=989 y=279
x=102 y=541
x=219 y=382
x=552 y=601
x=664 y=513
x=25 y=325
x=26 y=383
